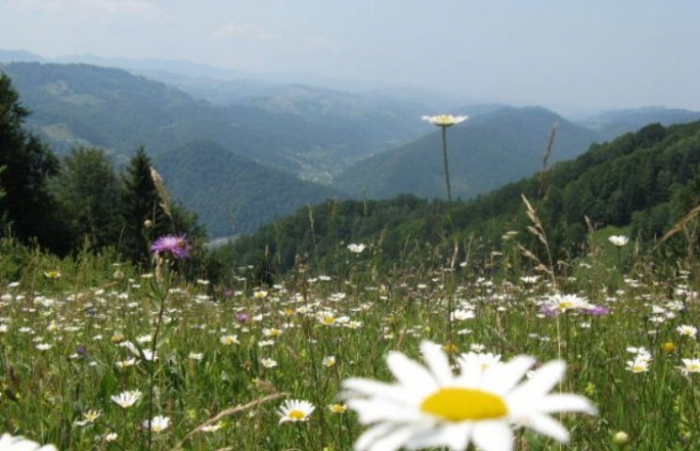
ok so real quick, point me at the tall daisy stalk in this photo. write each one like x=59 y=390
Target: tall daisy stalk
x=443 y=121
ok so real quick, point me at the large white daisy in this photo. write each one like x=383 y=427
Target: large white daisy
x=432 y=407
x=10 y=443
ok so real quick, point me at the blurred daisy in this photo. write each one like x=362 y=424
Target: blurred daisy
x=10 y=443
x=432 y=407
x=52 y=274
x=158 y=424
x=618 y=240
x=690 y=366
x=639 y=365
x=268 y=363
x=444 y=120
x=295 y=410
x=228 y=340
x=688 y=331
x=127 y=398
x=356 y=248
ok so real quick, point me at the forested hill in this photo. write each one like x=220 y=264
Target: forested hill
x=645 y=180
x=231 y=193
x=79 y=104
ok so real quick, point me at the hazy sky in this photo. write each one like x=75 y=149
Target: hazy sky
x=557 y=53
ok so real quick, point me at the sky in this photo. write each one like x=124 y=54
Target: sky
x=593 y=54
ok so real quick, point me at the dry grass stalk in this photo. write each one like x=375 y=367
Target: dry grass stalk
x=165 y=201
x=680 y=225
x=538 y=231
x=228 y=412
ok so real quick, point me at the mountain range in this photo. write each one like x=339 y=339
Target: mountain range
x=303 y=144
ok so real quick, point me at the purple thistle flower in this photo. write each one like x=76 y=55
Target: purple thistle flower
x=242 y=317
x=174 y=245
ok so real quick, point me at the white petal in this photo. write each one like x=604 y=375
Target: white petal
x=502 y=378
x=411 y=374
x=438 y=363
x=372 y=434
x=456 y=436
x=542 y=381
x=565 y=402
x=357 y=387
x=374 y=410
x=493 y=436
x=548 y=426
x=394 y=440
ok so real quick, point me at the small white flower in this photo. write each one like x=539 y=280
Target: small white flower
x=127 y=398
x=688 y=331
x=444 y=120
x=158 y=424
x=618 y=240
x=356 y=248
x=295 y=410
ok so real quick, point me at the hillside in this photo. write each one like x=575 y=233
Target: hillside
x=485 y=152
x=644 y=180
x=231 y=193
x=76 y=104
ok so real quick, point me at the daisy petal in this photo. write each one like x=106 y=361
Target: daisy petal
x=372 y=434
x=410 y=373
x=437 y=362
x=502 y=378
x=548 y=426
x=542 y=381
x=565 y=402
x=493 y=436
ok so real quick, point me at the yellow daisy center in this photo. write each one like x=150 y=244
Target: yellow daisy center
x=296 y=415
x=463 y=404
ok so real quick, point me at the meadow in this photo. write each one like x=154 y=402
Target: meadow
x=91 y=349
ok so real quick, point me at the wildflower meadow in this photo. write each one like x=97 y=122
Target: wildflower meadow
x=97 y=355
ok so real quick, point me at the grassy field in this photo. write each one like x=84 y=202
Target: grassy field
x=218 y=362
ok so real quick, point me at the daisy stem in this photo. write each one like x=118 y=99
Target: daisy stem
x=447 y=177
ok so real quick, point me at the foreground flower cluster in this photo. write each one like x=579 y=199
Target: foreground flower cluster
x=431 y=406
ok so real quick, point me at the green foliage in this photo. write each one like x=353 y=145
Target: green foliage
x=233 y=194
x=28 y=164
x=88 y=191
x=143 y=216
x=648 y=179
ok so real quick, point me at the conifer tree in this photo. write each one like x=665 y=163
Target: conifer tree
x=27 y=206
x=143 y=217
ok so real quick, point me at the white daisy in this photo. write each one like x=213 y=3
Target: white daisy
x=127 y=398
x=433 y=407
x=618 y=240
x=295 y=410
x=158 y=424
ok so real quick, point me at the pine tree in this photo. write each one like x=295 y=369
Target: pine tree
x=27 y=206
x=142 y=213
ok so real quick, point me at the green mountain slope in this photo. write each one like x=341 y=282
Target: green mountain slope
x=311 y=133
x=644 y=180
x=485 y=152
x=231 y=193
